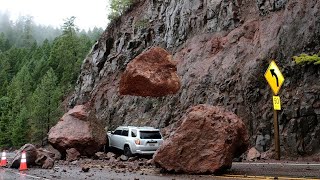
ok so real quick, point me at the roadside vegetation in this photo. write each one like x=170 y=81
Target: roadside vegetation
x=307 y=59
x=38 y=69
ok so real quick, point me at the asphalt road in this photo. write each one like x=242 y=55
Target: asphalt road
x=9 y=174
x=242 y=170
x=274 y=170
x=14 y=174
x=292 y=171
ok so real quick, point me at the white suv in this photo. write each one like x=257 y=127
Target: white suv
x=135 y=140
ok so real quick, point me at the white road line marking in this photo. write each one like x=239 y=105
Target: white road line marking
x=31 y=176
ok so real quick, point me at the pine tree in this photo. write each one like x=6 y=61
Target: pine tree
x=118 y=7
x=34 y=76
x=19 y=93
x=67 y=54
x=20 y=128
x=5 y=139
x=4 y=43
x=45 y=110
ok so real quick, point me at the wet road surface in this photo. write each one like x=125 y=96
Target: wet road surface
x=241 y=170
x=293 y=171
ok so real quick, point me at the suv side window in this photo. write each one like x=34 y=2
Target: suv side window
x=133 y=133
x=117 y=132
x=125 y=132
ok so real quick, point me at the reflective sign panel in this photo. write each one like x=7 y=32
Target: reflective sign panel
x=274 y=77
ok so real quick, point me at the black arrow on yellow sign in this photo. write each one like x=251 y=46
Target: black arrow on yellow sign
x=274 y=74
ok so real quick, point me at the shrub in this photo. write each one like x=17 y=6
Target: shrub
x=305 y=58
x=141 y=24
x=118 y=7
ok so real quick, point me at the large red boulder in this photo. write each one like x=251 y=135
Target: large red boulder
x=152 y=73
x=207 y=140
x=78 y=130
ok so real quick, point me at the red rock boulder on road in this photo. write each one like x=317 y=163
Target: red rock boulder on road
x=206 y=142
x=152 y=73
x=76 y=129
x=34 y=157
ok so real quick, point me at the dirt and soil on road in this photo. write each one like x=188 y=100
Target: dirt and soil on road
x=137 y=168
x=133 y=169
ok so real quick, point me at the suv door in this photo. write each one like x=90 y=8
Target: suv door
x=115 y=137
x=123 y=139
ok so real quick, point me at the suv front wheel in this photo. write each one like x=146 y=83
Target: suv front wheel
x=126 y=151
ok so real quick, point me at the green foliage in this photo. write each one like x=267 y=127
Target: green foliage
x=69 y=28
x=67 y=54
x=143 y=23
x=4 y=43
x=118 y=7
x=19 y=128
x=35 y=76
x=45 y=109
x=5 y=140
x=305 y=58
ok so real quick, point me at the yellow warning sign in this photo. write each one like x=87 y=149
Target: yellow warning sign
x=274 y=77
x=276 y=103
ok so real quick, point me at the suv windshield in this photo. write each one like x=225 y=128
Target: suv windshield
x=150 y=135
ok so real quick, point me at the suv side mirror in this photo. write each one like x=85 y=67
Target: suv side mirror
x=112 y=132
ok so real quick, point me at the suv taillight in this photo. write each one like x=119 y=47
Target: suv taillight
x=137 y=141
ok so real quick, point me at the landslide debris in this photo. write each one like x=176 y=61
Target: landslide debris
x=34 y=157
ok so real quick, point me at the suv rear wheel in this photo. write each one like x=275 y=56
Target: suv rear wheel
x=126 y=151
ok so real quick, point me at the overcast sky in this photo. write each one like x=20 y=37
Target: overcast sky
x=89 y=13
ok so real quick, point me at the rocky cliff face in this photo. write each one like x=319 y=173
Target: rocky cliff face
x=222 y=49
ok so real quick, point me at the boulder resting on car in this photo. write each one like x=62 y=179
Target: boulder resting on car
x=207 y=140
x=79 y=130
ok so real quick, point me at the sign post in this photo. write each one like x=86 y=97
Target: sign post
x=275 y=79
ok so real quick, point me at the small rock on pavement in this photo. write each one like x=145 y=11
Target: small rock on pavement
x=56 y=169
x=85 y=168
x=124 y=158
x=131 y=159
x=253 y=154
x=99 y=155
x=111 y=155
x=72 y=154
x=149 y=162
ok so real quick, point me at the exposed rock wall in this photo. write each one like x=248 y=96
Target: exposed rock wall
x=222 y=49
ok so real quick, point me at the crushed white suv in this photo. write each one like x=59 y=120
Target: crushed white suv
x=135 y=140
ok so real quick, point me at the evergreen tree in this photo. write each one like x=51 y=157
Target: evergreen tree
x=67 y=54
x=5 y=74
x=5 y=139
x=118 y=7
x=18 y=92
x=4 y=43
x=20 y=128
x=34 y=75
x=45 y=109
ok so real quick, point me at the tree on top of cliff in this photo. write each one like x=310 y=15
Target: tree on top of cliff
x=118 y=7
